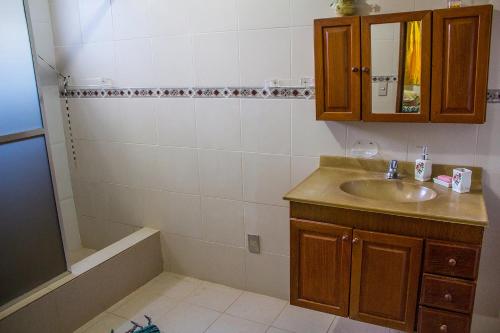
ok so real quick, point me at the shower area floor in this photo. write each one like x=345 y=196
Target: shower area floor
x=179 y=304
x=75 y=256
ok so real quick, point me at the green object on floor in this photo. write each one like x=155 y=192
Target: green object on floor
x=149 y=328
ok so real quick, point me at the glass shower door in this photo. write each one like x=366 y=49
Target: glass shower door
x=31 y=246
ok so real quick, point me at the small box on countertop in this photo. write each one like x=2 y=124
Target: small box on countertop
x=442 y=182
x=462 y=179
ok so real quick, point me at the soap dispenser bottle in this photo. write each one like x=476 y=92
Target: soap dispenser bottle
x=423 y=166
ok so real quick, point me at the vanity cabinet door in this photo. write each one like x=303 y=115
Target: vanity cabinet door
x=385 y=278
x=337 y=64
x=461 y=50
x=320 y=255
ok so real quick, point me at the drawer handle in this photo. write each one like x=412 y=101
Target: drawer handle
x=355 y=69
x=448 y=297
x=452 y=262
x=443 y=328
x=365 y=69
x=345 y=237
x=355 y=240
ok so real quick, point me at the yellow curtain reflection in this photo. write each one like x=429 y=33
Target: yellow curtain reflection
x=413 y=68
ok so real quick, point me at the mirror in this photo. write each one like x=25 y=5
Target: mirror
x=396 y=67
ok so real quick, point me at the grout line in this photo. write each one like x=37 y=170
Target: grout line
x=141 y=188
x=279 y=314
x=153 y=145
x=216 y=319
x=331 y=324
x=242 y=157
x=476 y=147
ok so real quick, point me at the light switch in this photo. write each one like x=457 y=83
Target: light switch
x=382 y=88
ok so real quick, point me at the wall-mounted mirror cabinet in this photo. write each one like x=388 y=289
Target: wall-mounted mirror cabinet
x=405 y=67
x=396 y=57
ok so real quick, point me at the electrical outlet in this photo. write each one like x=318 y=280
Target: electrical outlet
x=253 y=243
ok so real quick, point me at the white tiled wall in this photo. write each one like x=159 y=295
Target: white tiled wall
x=40 y=19
x=208 y=171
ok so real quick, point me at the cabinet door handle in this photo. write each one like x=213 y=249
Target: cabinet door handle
x=345 y=237
x=452 y=262
x=355 y=69
x=443 y=328
x=365 y=69
x=355 y=240
x=448 y=297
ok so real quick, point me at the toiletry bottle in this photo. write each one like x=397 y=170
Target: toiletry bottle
x=423 y=166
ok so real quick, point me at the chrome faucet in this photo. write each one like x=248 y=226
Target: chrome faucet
x=392 y=173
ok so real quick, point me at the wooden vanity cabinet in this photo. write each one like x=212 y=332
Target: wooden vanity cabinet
x=448 y=284
x=382 y=286
x=384 y=269
x=337 y=66
x=461 y=51
x=384 y=279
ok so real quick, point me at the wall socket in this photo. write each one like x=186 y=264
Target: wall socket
x=253 y=243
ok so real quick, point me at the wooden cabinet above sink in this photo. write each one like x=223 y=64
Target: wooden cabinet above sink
x=425 y=66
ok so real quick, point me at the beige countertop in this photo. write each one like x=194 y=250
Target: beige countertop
x=322 y=187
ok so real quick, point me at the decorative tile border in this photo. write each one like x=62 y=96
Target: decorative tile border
x=224 y=92
x=494 y=96
x=391 y=78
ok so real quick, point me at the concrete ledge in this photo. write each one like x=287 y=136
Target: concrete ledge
x=95 y=284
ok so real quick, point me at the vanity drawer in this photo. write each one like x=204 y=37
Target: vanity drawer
x=447 y=293
x=452 y=259
x=437 y=321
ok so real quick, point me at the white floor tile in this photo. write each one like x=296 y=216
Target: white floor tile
x=91 y=323
x=344 y=325
x=230 y=324
x=302 y=320
x=180 y=304
x=255 y=307
x=141 y=304
x=172 y=285
x=140 y=297
x=277 y=330
x=214 y=296
x=187 y=318
x=106 y=323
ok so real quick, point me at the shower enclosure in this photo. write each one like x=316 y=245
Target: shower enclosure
x=31 y=245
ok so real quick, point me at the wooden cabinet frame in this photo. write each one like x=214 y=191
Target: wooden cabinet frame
x=325 y=286
x=454 y=82
x=337 y=61
x=425 y=90
x=385 y=278
x=453 y=100
x=398 y=241
x=328 y=268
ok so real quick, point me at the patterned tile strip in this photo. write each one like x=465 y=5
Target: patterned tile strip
x=384 y=78
x=222 y=92
x=494 y=96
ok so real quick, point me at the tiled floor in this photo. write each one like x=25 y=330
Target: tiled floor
x=180 y=304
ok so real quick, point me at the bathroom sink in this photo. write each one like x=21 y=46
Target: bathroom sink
x=388 y=190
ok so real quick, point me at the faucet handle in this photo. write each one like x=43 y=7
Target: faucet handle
x=393 y=164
